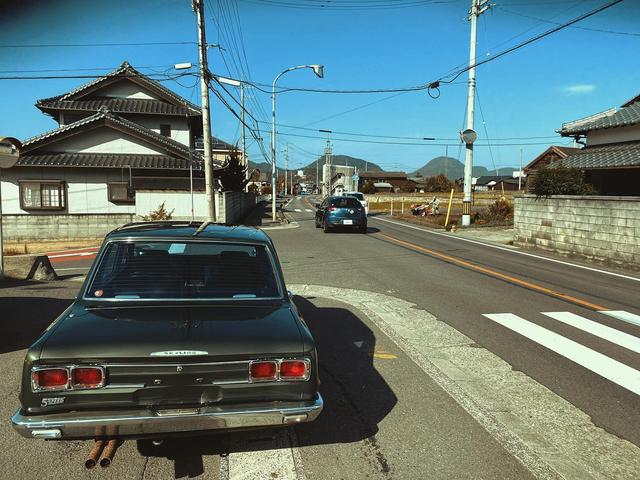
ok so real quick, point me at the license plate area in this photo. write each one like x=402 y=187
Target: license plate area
x=347 y=222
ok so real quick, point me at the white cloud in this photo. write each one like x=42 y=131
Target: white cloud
x=578 y=89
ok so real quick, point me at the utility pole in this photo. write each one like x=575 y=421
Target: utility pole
x=245 y=160
x=327 y=161
x=478 y=7
x=198 y=7
x=520 y=173
x=286 y=166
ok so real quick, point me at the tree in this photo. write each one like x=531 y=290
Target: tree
x=561 y=180
x=160 y=214
x=439 y=183
x=233 y=177
x=368 y=187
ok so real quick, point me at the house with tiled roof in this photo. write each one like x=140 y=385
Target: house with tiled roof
x=115 y=136
x=553 y=155
x=611 y=156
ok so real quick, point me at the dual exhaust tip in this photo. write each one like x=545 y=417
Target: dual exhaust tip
x=102 y=452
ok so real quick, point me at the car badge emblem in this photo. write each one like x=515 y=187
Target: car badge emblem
x=350 y=211
x=178 y=353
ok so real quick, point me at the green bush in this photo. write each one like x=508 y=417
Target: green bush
x=561 y=181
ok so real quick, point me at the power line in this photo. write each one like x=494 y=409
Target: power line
x=396 y=137
x=430 y=144
x=530 y=40
x=600 y=30
x=160 y=77
x=342 y=5
x=80 y=45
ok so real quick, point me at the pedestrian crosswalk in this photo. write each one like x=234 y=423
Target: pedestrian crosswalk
x=300 y=210
x=609 y=368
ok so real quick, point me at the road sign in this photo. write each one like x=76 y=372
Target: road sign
x=355 y=178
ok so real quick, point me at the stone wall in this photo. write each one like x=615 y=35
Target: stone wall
x=235 y=206
x=231 y=207
x=603 y=229
x=20 y=228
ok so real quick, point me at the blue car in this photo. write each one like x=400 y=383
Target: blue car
x=338 y=212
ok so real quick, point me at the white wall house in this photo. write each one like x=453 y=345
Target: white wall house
x=611 y=157
x=115 y=135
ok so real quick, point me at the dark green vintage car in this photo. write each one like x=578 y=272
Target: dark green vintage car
x=179 y=327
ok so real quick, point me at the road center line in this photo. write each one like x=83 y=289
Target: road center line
x=497 y=247
x=493 y=273
x=598 y=363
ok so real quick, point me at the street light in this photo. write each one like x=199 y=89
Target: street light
x=9 y=155
x=319 y=71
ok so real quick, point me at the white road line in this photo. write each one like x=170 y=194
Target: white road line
x=512 y=250
x=598 y=363
x=308 y=210
x=594 y=328
x=297 y=210
x=624 y=316
x=267 y=459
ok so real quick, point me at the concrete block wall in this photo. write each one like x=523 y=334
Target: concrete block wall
x=232 y=207
x=602 y=229
x=29 y=228
x=235 y=206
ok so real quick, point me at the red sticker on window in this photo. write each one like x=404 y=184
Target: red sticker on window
x=98 y=293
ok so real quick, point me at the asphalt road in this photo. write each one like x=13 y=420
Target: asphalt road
x=459 y=282
x=441 y=358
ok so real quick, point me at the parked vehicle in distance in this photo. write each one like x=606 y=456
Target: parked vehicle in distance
x=360 y=197
x=178 y=327
x=341 y=211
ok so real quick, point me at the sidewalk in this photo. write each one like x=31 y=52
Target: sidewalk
x=261 y=217
x=498 y=235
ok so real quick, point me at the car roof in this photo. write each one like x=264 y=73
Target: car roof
x=190 y=230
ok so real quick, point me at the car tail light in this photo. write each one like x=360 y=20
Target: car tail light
x=263 y=371
x=331 y=209
x=87 y=377
x=50 y=379
x=294 y=370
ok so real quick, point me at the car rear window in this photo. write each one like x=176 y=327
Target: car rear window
x=359 y=196
x=345 y=202
x=183 y=270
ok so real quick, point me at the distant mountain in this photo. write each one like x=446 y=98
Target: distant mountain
x=454 y=169
x=362 y=165
x=310 y=169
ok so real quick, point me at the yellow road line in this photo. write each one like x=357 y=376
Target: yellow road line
x=493 y=273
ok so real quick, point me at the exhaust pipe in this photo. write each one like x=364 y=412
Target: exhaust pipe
x=94 y=454
x=109 y=453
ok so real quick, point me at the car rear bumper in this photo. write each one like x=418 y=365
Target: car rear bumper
x=149 y=422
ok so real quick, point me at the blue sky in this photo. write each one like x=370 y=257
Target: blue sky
x=529 y=93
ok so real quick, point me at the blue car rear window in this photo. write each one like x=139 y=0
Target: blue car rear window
x=346 y=202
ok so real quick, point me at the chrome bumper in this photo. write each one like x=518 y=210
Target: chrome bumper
x=145 y=422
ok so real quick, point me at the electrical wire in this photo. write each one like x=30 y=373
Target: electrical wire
x=590 y=29
x=529 y=41
x=69 y=45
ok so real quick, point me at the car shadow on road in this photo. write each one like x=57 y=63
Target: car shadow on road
x=356 y=397
x=23 y=319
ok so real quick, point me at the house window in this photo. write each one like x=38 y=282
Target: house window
x=119 y=192
x=42 y=195
x=165 y=130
